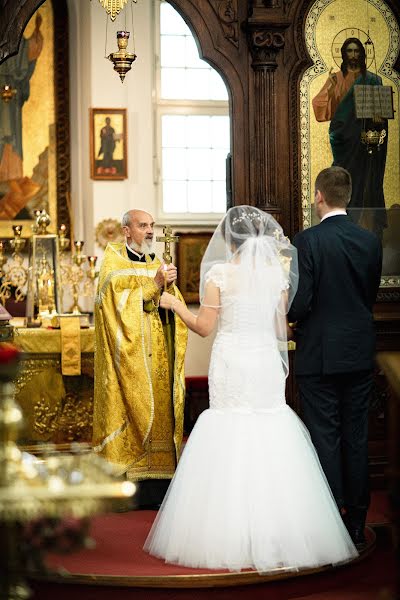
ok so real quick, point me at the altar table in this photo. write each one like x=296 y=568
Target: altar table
x=57 y=408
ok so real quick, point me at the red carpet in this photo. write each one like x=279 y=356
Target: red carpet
x=120 y=537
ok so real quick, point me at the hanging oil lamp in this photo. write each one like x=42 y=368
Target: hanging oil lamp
x=122 y=60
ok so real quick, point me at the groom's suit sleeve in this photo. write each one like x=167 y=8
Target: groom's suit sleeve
x=302 y=302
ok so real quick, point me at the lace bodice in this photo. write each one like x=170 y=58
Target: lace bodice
x=248 y=318
x=246 y=370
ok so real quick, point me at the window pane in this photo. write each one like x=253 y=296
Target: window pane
x=173 y=164
x=171 y=22
x=193 y=59
x=190 y=155
x=172 y=51
x=194 y=146
x=198 y=131
x=218 y=196
x=198 y=80
x=173 y=83
x=173 y=131
x=197 y=84
x=199 y=164
x=220 y=133
x=199 y=196
x=174 y=196
x=218 y=89
x=218 y=163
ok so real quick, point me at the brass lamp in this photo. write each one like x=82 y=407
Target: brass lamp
x=122 y=60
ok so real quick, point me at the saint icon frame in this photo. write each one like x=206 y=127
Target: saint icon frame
x=108 y=144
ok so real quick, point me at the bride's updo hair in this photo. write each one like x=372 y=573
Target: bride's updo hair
x=242 y=222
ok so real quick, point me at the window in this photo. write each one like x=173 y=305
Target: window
x=193 y=122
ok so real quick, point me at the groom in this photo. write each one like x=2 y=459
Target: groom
x=339 y=273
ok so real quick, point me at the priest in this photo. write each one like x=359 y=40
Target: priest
x=139 y=381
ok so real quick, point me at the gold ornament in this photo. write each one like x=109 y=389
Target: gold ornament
x=114 y=7
x=108 y=230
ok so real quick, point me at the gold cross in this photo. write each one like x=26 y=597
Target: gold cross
x=168 y=239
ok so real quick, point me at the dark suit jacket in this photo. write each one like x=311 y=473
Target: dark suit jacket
x=339 y=273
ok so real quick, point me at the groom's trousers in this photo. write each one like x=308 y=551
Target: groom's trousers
x=335 y=411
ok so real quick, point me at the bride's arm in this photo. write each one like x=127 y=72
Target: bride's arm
x=282 y=326
x=203 y=323
x=285 y=305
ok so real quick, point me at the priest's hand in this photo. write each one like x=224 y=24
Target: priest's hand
x=166 y=273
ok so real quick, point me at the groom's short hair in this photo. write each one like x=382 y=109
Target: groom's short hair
x=335 y=185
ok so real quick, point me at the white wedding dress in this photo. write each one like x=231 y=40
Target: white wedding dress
x=249 y=491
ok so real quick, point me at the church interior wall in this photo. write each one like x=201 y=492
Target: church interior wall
x=94 y=84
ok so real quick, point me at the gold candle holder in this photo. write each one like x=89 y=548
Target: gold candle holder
x=17 y=271
x=92 y=260
x=5 y=284
x=34 y=226
x=3 y=257
x=63 y=241
x=18 y=243
x=43 y=221
x=79 y=257
x=76 y=275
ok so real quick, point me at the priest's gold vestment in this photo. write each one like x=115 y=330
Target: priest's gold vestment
x=138 y=412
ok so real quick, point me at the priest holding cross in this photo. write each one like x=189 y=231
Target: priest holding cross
x=139 y=361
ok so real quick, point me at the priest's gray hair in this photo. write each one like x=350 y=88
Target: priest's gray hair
x=126 y=219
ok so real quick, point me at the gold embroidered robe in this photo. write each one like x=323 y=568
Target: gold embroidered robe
x=137 y=425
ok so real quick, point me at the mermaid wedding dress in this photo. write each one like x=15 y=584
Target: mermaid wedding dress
x=249 y=491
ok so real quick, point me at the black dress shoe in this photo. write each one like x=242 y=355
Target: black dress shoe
x=358 y=537
x=149 y=506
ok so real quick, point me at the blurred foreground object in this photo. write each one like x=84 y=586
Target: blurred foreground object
x=59 y=487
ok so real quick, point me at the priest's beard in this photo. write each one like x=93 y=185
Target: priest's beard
x=144 y=248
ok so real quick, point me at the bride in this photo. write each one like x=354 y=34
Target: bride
x=249 y=491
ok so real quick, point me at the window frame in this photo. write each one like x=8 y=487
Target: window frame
x=177 y=107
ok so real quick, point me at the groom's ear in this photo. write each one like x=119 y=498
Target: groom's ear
x=319 y=197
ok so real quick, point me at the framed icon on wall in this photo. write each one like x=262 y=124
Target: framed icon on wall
x=108 y=145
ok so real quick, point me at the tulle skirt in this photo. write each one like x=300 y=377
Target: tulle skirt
x=249 y=492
